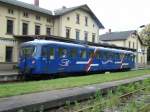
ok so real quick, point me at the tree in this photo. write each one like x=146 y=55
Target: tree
x=145 y=34
x=148 y=54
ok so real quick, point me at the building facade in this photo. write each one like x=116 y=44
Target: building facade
x=19 y=18
x=128 y=39
x=78 y=23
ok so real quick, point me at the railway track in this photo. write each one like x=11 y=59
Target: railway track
x=123 y=98
x=15 y=77
x=145 y=108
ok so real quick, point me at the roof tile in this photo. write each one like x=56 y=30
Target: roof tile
x=112 y=36
x=27 y=6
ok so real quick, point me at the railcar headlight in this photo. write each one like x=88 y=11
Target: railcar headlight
x=33 y=61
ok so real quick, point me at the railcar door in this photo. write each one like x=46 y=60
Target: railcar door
x=26 y=57
x=99 y=60
x=128 y=61
x=82 y=60
x=112 y=57
x=106 y=60
x=118 y=60
x=73 y=51
x=63 y=62
x=44 y=60
x=48 y=59
x=52 y=61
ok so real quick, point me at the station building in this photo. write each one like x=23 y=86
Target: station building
x=20 y=21
x=128 y=39
x=78 y=23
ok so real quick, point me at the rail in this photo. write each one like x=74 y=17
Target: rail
x=145 y=108
x=122 y=98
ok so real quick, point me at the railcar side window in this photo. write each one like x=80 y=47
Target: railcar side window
x=62 y=52
x=73 y=53
x=44 y=52
x=52 y=54
x=122 y=56
x=105 y=55
x=127 y=56
x=97 y=55
x=110 y=55
x=101 y=56
x=117 y=57
x=91 y=53
x=83 y=53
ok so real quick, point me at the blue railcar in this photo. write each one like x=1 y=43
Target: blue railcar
x=51 y=57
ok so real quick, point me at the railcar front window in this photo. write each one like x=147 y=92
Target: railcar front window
x=27 y=51
x=133 y=58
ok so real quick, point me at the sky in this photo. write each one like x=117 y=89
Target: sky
x=117 y=15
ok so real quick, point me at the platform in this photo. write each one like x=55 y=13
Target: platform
x=44 y=100
x=8 y=75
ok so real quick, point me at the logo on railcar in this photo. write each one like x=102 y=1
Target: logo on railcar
x=64 y=62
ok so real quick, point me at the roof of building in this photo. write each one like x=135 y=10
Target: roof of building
x=64 y=10
x=112 y=36
x=43 y=42
x=25 y=38
x=122 y=35
x=27 y=6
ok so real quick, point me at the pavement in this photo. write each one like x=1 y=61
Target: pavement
x=9 y=75
x=50 y=99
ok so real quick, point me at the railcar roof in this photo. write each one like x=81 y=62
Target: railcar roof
x=44 y=42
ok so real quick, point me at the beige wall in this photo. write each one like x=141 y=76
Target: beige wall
x=61 y=23
x=8 y=43
x=18 y=19
x=136 y=44
x=118 y=43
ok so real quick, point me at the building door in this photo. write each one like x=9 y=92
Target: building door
x=9 y=53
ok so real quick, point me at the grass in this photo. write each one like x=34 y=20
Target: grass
x=14 y=89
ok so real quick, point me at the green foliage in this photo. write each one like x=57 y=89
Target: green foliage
x=98 y=96
x=145 y=34
x=67 y=105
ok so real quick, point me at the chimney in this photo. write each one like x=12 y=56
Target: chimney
x=64 y=7
x=36 y=3
x=109 y=31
